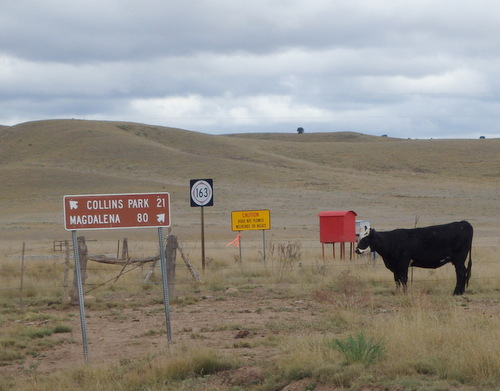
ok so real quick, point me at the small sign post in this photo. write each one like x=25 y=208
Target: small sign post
x=81 y=304
x=252 y=220
x=116 y=211
x=201 y=191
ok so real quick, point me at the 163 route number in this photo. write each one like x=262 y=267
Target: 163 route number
x=201 y=192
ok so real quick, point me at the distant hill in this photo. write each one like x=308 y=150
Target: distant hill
x=296 y=174
x=143 y=151
x=310 y=137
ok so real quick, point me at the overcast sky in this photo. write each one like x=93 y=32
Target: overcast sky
x=412 y=68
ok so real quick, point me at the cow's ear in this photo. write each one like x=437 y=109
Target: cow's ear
x=372 y=231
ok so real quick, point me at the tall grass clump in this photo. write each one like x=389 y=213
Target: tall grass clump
x=162 y=372
x=346 y=291
x=17 y=341
x=455 y=344
x=288 y=255
x=313 y=358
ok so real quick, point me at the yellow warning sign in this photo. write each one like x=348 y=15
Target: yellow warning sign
x=250 y=219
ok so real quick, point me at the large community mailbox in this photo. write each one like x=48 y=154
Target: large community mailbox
x=338 y=227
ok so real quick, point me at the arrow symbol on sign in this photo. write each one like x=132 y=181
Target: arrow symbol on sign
x=161 y=218
x=73 y=205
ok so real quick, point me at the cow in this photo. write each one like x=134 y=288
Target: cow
x=429 y=247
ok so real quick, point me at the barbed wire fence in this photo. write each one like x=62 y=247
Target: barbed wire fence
x=31 y=265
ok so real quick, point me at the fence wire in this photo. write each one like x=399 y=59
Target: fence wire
x=42 y=262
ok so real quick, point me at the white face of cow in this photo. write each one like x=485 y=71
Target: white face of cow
x=364 y=242
x=366 y=233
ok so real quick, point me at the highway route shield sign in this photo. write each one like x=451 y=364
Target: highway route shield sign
x=202 y=193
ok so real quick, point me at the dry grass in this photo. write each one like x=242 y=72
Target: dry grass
x=455 y=344
x=425 y=335
x=387 y=181
x=432 y=340
x=167 y=371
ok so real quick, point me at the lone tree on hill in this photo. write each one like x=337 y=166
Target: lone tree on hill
x=300 y=130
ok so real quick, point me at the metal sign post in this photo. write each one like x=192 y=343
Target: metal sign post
x=166 y=301
x=81 y=303
x=202 y=240
x=239 y=247
x=264 y=246
x=116 y=211
x=201 y=191
x=247 y=220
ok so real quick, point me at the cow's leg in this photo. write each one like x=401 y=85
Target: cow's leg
x=401 y=282
x=461 y=272
x=401 y=276
x=405 y=286
x=398 y=283
x=404 y=282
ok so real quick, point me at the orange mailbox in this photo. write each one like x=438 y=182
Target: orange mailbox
x=337 y=227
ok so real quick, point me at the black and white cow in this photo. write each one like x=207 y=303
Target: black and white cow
x=429 y=247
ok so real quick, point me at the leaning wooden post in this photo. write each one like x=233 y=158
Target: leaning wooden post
x=125 y=248
x=171 y=251
x=66 y=273
x=83 y=256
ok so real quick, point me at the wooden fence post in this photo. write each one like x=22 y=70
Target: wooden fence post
x=125 y=248
x=65 y=299
x=83 y=255
x=171 y=252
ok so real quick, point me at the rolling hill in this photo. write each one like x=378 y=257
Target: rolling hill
x=385 y=180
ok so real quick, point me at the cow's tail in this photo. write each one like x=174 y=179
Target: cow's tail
x=468 y=273
x=469 y=269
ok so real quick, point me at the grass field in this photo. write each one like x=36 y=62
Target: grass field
x=294 y=322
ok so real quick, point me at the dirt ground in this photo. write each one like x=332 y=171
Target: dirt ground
x=225 y=321
x=217 y=321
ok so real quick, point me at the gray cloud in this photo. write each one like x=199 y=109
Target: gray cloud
x=407 y=69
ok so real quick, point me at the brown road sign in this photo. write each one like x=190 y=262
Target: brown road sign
x=114 y=211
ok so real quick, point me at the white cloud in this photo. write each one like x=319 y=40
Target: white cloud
x=402 y=68
x=247 y=111
x=451 y=82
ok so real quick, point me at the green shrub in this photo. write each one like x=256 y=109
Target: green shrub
x=62 y=329
x=359 y=350
x=38 y=333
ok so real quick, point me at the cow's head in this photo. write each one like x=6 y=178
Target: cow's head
x=365 y=241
